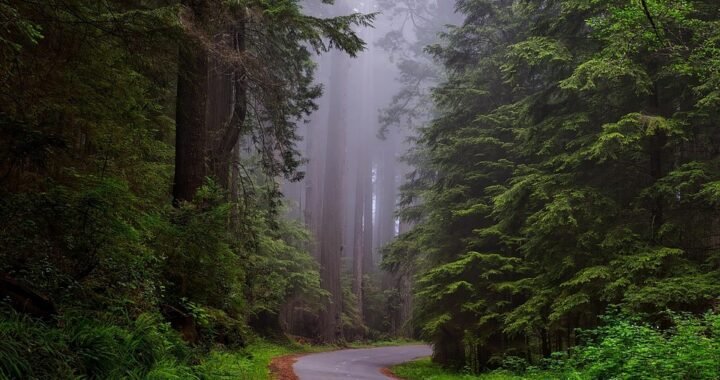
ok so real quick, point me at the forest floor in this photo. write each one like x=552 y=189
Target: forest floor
x=253 y=362
x=424 y=369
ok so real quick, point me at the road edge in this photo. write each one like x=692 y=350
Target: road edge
x=390 y=374
x=281 y=368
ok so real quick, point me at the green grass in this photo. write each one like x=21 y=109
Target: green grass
x=252 y=362
x=424 y=369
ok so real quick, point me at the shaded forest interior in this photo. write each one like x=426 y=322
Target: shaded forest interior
x=184 y=175
x=518 y=182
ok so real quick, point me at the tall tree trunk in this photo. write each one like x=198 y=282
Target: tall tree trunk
x=219 y=111
x=314 y=185
x=545 y=343
x=332 y=229
x=315 y=138
x=313 y=207
x=407 y=304
x=227 y=106
x=368 y=223
x=387 y=192
x=657 y=155
x=363 y=171
x=235 y=187
x=191 y=130
x=386 y=202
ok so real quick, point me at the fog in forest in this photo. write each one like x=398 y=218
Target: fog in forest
x=355 y=147
x=252 y=189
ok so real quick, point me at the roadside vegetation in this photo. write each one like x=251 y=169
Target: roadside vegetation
x=572 y=164
x=625 y=347
x=145 y=349
x=185 y=183
x=123 y=253
x=252 y=363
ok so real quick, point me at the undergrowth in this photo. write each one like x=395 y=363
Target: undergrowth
x=146 y=348
x=86 y=349
x=623 y=348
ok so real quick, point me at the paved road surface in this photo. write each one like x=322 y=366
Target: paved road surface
x=360 y=364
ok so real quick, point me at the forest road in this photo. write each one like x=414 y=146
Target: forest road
x=360 y=364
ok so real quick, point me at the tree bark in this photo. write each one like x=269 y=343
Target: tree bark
x=332 y=229
x=363 y=171
x=368 y=222
x=387 y=192
x=227 y=106
x=657 y=155
x=191 y=129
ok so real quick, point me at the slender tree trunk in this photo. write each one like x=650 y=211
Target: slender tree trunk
x=363 y=171
x=387 y=191
x=368 y=223
x=386 y=198
x=545 y=343
x=657 y=155
x=314 y=186
x=235 y=188
x=406 y=297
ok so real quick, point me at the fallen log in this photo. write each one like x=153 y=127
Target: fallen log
x=25 y=300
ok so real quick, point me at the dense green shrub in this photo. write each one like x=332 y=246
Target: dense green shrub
x=138 y=263
x=146 y=348
x=82 y=245
x=83 y=348
x=200 y=265
x=679 y=346
x=626 y=348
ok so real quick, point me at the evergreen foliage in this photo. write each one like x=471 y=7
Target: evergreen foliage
x=623 y=348
x=98 y=264
x=572 y=166
x=569 y=161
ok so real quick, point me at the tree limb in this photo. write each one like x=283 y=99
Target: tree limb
x=650 y=17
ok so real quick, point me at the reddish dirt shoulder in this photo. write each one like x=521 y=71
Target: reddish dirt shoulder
x=387 y=372
x=281 y=368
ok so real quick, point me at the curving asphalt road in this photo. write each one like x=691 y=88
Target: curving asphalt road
x=358 y=364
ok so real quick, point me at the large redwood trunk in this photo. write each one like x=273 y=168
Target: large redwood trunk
x=192 y=88
x=332 y=226
x=361 y=188
x=314 y=184
x=227 y=107
x=219 y=110
x=387 y=191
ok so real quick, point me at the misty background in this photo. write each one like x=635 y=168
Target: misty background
x=356 y=148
